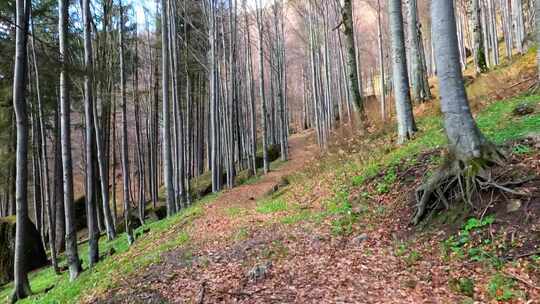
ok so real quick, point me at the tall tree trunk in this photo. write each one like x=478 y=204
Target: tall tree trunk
x=138 y=135
x=264 y=112
x=167 y=144
x=125 y=148
x=251 y=95
x=21 y=283
x=347 y=17
x=93 y=232
x=381 y=61
x=65 y=130
x=58 y=192
x=469 y=151
x=419 y=92
x=405 y=118
x=44 y=158
x=537 y=36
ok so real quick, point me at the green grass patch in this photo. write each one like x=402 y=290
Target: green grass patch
x=272 y=205
x=163 y=236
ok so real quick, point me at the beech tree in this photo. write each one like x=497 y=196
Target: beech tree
x=93 y=232
x=65 y=131
x=21 y=283
x=347 y=15
x=469 y=151
x=405 y=118
x=419 y=82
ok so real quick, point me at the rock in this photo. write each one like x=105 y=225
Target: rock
x=157 y=213
x=523 y=109
x=360 y=239
x=259 y=272
x=134 y=223
x=33 y=247
x=273 y=154
x=513 y=206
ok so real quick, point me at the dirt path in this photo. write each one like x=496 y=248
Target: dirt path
x=210 y=235
x=238 y=254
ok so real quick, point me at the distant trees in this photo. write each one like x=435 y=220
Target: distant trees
x=419 y=79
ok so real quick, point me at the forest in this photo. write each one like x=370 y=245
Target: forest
x=269 y=151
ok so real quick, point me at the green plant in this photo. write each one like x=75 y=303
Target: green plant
x=455 y=244
x=294 y=218
x=401 y=249
x=389 y=178
x=521 y=149
x=241 y=234
x=501 y=288
x=464 y=286
x=413 y=257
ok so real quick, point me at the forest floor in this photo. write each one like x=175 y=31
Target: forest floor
x=337 y=231
x=333 y=227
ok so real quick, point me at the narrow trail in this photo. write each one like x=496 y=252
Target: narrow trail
x=212 y=232
x=300 y=264
x=216 y=224
x=308 y=265
x=238 y=254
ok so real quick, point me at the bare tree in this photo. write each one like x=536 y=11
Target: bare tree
x=93 y=231
x=21 y=284
x=405 y=118
x=167 y=144
x=65 y=131
x=469 y=150
x=347 y=15
x=125 y=148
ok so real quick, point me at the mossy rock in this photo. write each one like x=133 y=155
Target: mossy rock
x=274 y=152
x=201 y=185
x=134 y=222
x=156 y=214
x=33 y=248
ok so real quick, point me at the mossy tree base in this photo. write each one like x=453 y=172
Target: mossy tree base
x=458 y=178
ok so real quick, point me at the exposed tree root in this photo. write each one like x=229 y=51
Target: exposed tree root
x=458 y=179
